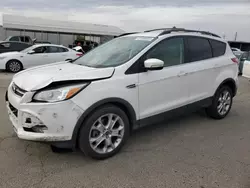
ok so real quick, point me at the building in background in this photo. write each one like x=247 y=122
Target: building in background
x=243 y=46
x=57 y=32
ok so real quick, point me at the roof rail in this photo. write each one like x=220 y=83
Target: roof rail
x=124 y=34
x=174 y=29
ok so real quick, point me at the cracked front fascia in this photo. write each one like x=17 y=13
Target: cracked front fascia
x=34 y=120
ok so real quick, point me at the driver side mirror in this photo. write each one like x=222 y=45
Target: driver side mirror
x=31 y=52
x=153 y=64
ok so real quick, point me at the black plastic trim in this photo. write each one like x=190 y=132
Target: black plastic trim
x=228 y=81
x=175 y=112
x=174 y=29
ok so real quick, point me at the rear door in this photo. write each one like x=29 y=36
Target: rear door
x=200 y=70
x=56 y=54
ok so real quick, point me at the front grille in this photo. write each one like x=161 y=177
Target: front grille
x=13 y=109
x=17 y=90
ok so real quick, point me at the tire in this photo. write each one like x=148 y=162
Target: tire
x=103 y=140
x=14 y=66
x=221 y=104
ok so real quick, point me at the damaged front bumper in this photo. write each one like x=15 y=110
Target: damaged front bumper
x=49 y=122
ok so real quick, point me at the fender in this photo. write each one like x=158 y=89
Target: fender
x=229 y=80
x=129 y=111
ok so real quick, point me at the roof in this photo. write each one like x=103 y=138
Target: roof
x=57 y=45
x=40 y=24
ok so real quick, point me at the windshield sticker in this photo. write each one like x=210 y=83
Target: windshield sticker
x=144 y=38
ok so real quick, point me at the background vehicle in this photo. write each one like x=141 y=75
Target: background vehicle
x=97 y=100
x=25 y=39
x=36 y=55
x=245 y=64
x=42 y=42
x=78 y=49
x=12 y=46
x=236 y=51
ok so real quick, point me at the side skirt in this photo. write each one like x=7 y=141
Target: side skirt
x=173 y=113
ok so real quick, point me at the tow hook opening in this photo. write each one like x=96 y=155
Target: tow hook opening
x=36 y=129
x=33 y=124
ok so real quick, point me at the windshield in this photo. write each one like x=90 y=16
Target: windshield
x=115 y=52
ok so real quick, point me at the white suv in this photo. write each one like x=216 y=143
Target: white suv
x=94 y=102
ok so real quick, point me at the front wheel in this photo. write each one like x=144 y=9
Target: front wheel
x=14 y=66
x=222 y=103
x=104 y=132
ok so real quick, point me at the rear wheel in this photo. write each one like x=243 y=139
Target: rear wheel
x=222 y=103
x=14 y=66
x=104 y=132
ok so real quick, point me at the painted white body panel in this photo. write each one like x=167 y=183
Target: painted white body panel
x=40 y=77
x=54 y=115
x=154 y=92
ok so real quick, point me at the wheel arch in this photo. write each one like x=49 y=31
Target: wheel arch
x=13 y=60
x=231 y=83
x=121 y=103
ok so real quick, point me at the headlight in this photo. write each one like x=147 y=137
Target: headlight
x=2 y=57
x=59 y=94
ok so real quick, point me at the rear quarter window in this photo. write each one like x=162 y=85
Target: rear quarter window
x=218 y=47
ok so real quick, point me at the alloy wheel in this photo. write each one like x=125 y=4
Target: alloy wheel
x=106 y=133
x=14 y=66
x=224 y=102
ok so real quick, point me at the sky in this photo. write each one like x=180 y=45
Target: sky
x=224 y=17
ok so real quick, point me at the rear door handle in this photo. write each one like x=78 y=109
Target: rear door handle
x=182 y=74
x=216 y=65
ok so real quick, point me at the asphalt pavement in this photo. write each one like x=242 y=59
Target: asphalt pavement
x=190 y=151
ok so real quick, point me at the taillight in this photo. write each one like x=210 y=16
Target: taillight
x=235 y=60
x=79 y=54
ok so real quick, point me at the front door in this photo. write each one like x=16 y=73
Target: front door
x=164 y=90
x=39 y=57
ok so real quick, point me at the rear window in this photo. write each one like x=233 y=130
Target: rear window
x=62 y=49
x=218 y=47
x=199 y=49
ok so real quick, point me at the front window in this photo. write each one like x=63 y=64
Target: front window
x=27 y=49
x=115 y=52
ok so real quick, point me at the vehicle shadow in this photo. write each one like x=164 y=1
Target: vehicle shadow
x=146 y=137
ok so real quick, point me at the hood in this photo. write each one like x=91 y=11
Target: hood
x=9 y=53
x=41 y=76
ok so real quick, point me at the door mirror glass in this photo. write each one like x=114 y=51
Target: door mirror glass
x=31 y=52
x=153 y=64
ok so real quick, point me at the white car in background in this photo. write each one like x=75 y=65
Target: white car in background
x=237 y=51
x=36 y=55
